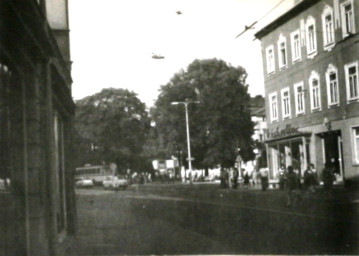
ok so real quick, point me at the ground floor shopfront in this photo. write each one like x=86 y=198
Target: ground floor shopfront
x=335 y=142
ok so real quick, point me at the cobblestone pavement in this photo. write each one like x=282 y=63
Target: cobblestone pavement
x=203 y=219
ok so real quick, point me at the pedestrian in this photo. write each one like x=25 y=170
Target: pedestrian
x=282 y=175
x=328 y=177
x=246 y=179
x=309 y=180
x=223 y=178
x=292 y=186
x=264 y=178
x=235 y=177
x=315 y=174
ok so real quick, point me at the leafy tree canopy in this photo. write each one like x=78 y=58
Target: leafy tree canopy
x=111 y=126
x=219 y=125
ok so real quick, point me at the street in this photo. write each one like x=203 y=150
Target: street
x=203 y=219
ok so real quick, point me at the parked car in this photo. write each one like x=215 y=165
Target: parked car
x=115 y=182
x=84 y=183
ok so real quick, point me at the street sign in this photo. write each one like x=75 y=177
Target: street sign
x=188 y=159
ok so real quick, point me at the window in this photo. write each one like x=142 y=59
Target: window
x=328 y=27
x=299 y=98
x=285 y=103
x=270 y=59
x=356 y=144
x=273 y=106
x=311 y=37
x=296 y=48
x=331 y=76
x=351 y=79
x=282 y=52
x=314 y=92
x=347 y=18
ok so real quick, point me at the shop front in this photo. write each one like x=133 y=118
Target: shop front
x=288 y=147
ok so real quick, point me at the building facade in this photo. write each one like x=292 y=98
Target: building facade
x=37 y=202
x=310 y=59
x=258 y=117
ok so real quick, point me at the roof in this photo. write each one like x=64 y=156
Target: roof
x=297 y=9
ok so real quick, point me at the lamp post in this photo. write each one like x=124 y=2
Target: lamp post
x=185 y=103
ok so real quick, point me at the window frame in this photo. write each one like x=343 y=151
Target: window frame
x=270 y=62
x=355 y=145
x=282 y=60
x=332 y=69
x=343 y=18
x=314 y=76
x=300 y=94
x=296 y=58
x=328 y=11
x=271 y=103
x=285 y=100
x=311 y=52
x=347 y=83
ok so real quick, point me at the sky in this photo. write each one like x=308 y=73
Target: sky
x=112 y=43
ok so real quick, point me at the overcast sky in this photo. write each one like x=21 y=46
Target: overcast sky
x=112 y=41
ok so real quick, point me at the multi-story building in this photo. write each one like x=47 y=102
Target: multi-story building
x=37 y=202
x=310 y=59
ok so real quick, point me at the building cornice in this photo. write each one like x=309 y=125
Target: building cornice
x=297 y=9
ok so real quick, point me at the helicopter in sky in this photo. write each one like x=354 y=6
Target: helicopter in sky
x=157 y=56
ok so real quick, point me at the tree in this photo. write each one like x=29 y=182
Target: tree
x=112 y=126
x=219 y=125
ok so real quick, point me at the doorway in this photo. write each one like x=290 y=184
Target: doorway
x=332 y=152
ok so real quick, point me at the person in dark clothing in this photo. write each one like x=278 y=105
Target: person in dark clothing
x=309 y=180
x=291 y=186
x=264 y=178
x=246 y=179
x=282 y=174
x=328 y=176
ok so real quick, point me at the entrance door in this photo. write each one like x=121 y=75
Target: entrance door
x=332 y=152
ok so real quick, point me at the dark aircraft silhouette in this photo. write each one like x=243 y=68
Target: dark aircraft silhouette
x=157 y=56
x=247 y=28
x=179 y=12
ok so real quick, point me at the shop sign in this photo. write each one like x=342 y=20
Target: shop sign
x=287 y=131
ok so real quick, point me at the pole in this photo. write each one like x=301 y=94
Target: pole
x=188 y=143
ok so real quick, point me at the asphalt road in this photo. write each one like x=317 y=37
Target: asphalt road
x=203 y=219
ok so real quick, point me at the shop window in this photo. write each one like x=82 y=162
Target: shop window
x=296 y=48
x=299 y=98
x=328 y=27
x=273 y=106
x=282 y=52
x=351 y=79
x=331 y=76
x=315 y=92
x=347 y=13
x=311 y=37
x=355 y=131
x=270 y=59
x=285 y=103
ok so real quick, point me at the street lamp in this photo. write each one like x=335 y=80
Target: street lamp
x=185 y=103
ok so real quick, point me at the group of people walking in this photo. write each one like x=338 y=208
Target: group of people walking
x=290 y=180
